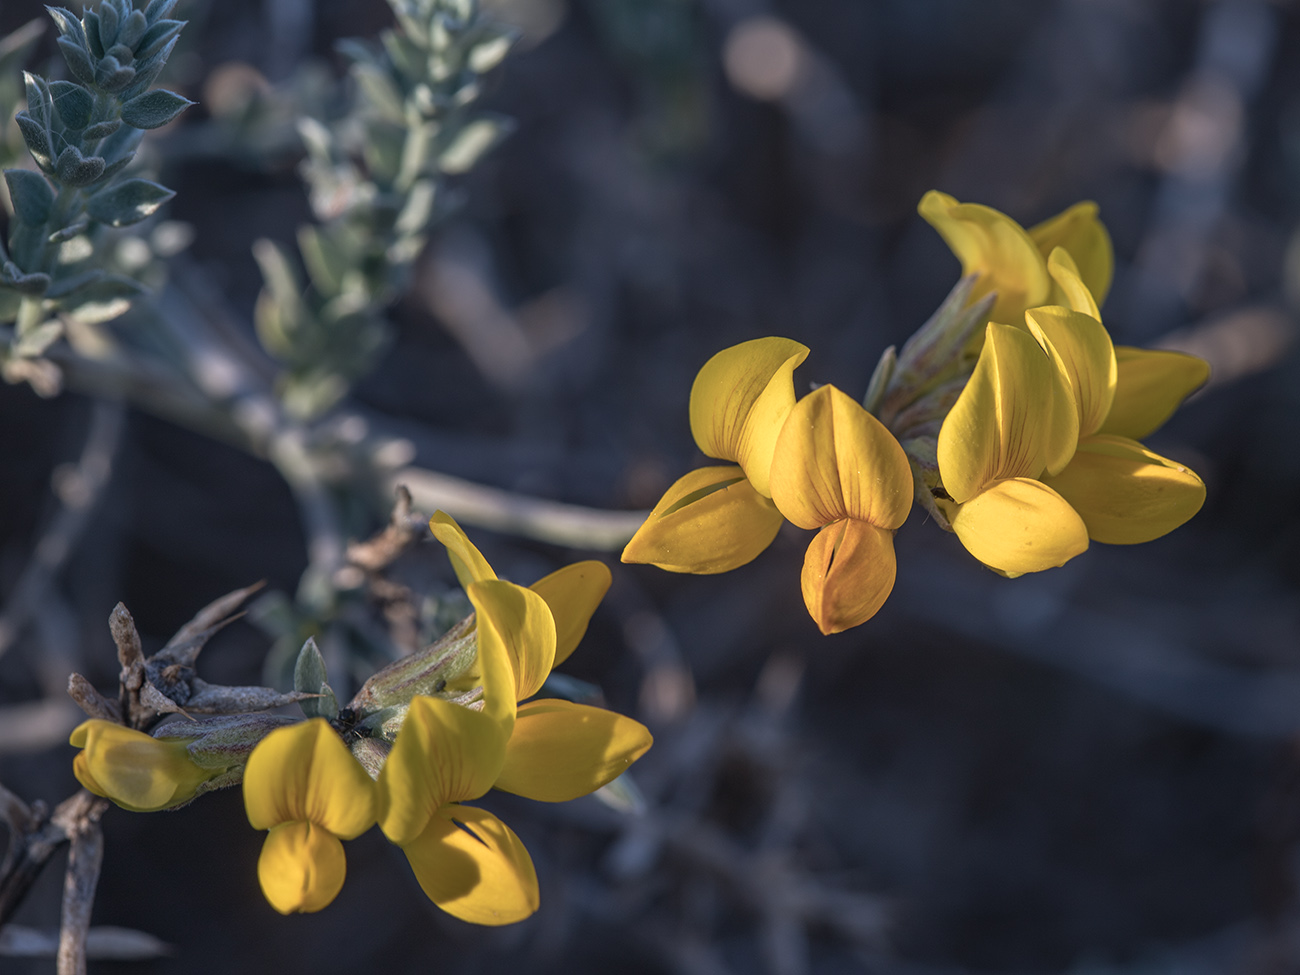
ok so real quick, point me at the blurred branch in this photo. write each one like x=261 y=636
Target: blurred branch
x=34 y=837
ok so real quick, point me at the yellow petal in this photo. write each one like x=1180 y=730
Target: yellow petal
x=560 y=750
x=305 y=772
x=992 y=245
x=1082 y=350
x=1080 y=232
x=1019 y=525
x=1151 y=385
x=473 y=866
x=467 y=560
x=135 y=770
x=1125 y=493
x=520 y=622
x=302 y=867
x=573 y=593
x=739 y=401
x=848 y=573
x=712 y=520
x=444 y=753
x=1073 y=292
x=1014 y=414
x=835 y=460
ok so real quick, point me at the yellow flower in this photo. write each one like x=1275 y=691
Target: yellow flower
x=466 y=860
x=555 y=750
x=303 y=784
x=1014 y=417
x=836 y=468
x=1013 y=261
x=718 y=518
x=136 y=771
x=1124 y=493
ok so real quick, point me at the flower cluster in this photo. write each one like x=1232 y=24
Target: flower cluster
x=1019 y=422
x=1040 y=452
x=313 y=783
x=822 y=462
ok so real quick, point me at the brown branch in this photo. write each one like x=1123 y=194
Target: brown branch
x=84 y=861
x=32 y=842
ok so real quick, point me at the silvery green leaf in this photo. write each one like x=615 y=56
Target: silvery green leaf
x=489 y=51
x=120 y=51
x=101 y=130
x=147 y=70
x=113 y=168
x=68 y=232
x=156 y=37
x=471 y=142
x=154 y=109
x=128 y=202
x=77 y=170
x=418 y=211
x=34 y=284
x=380 y=91
x=309 y=678
x=73 y=102
x=69 y=26
x=133 y=28
x=326 y=262
x=37 y=96
x=78 y=60
x=10 y=302
x=31 y=196
x=38 y=339
x=109 y=21
x=38 y=142
x=158 y=9
x=62 y=287
x=91 y=22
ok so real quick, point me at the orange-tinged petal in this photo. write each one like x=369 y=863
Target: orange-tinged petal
x=848 y=573
x=1152 y=383
x=1019 y=525
x=444 y=753
x=573 y=593
x=739 y=401
x=135 y=770
x=1125 y=493
x=835 y=460
x=302 y=867
x=1014 y=415
x=473 y=866
x=520 y=619
x=992 y=245
x=1080 y=232
x=560 y=750
x=305 y=772
x=466 y=559
x=1083 y=352
x=1074 y=294
x=712 y=520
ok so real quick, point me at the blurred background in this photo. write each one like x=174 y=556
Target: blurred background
x=1092 y=770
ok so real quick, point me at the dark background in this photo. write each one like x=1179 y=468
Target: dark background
x=1091 y=770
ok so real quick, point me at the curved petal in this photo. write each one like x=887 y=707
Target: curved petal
x=302 y=867
x=135 y=770
x=739 y=401
x=560 y=750
x=835 y=460
x=305 y=772
x=573 y=593
x=848 y=573
x=473 y=866
x=1077 y=297
x=467 y=560
x=1080 y=232
x=1014 y=415
x=712 y=520
x=1082 y=350
x=1152 y=383
x=521 y=621
x=1019 y=525
x=992 y=245
x=1125 y=493
x=444 y=753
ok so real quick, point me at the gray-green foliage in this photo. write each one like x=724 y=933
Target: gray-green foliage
x=376 y=185
x=82 y=134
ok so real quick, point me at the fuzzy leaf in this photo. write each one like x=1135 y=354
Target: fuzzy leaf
x=309 y=677
x=31 y=196
x=128 y=202
x=112 y=75
x=133 y=28
x=101 y=130
x=38 y=142
x=77 y=170
x=154 y=109
x=158 y=9
x=156 y=37
x=74 y=103
x=78 y=60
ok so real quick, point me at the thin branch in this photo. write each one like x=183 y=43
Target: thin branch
x=84 y=861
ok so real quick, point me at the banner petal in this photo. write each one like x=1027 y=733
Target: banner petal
x=1081 y=233
x=1082 y=350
